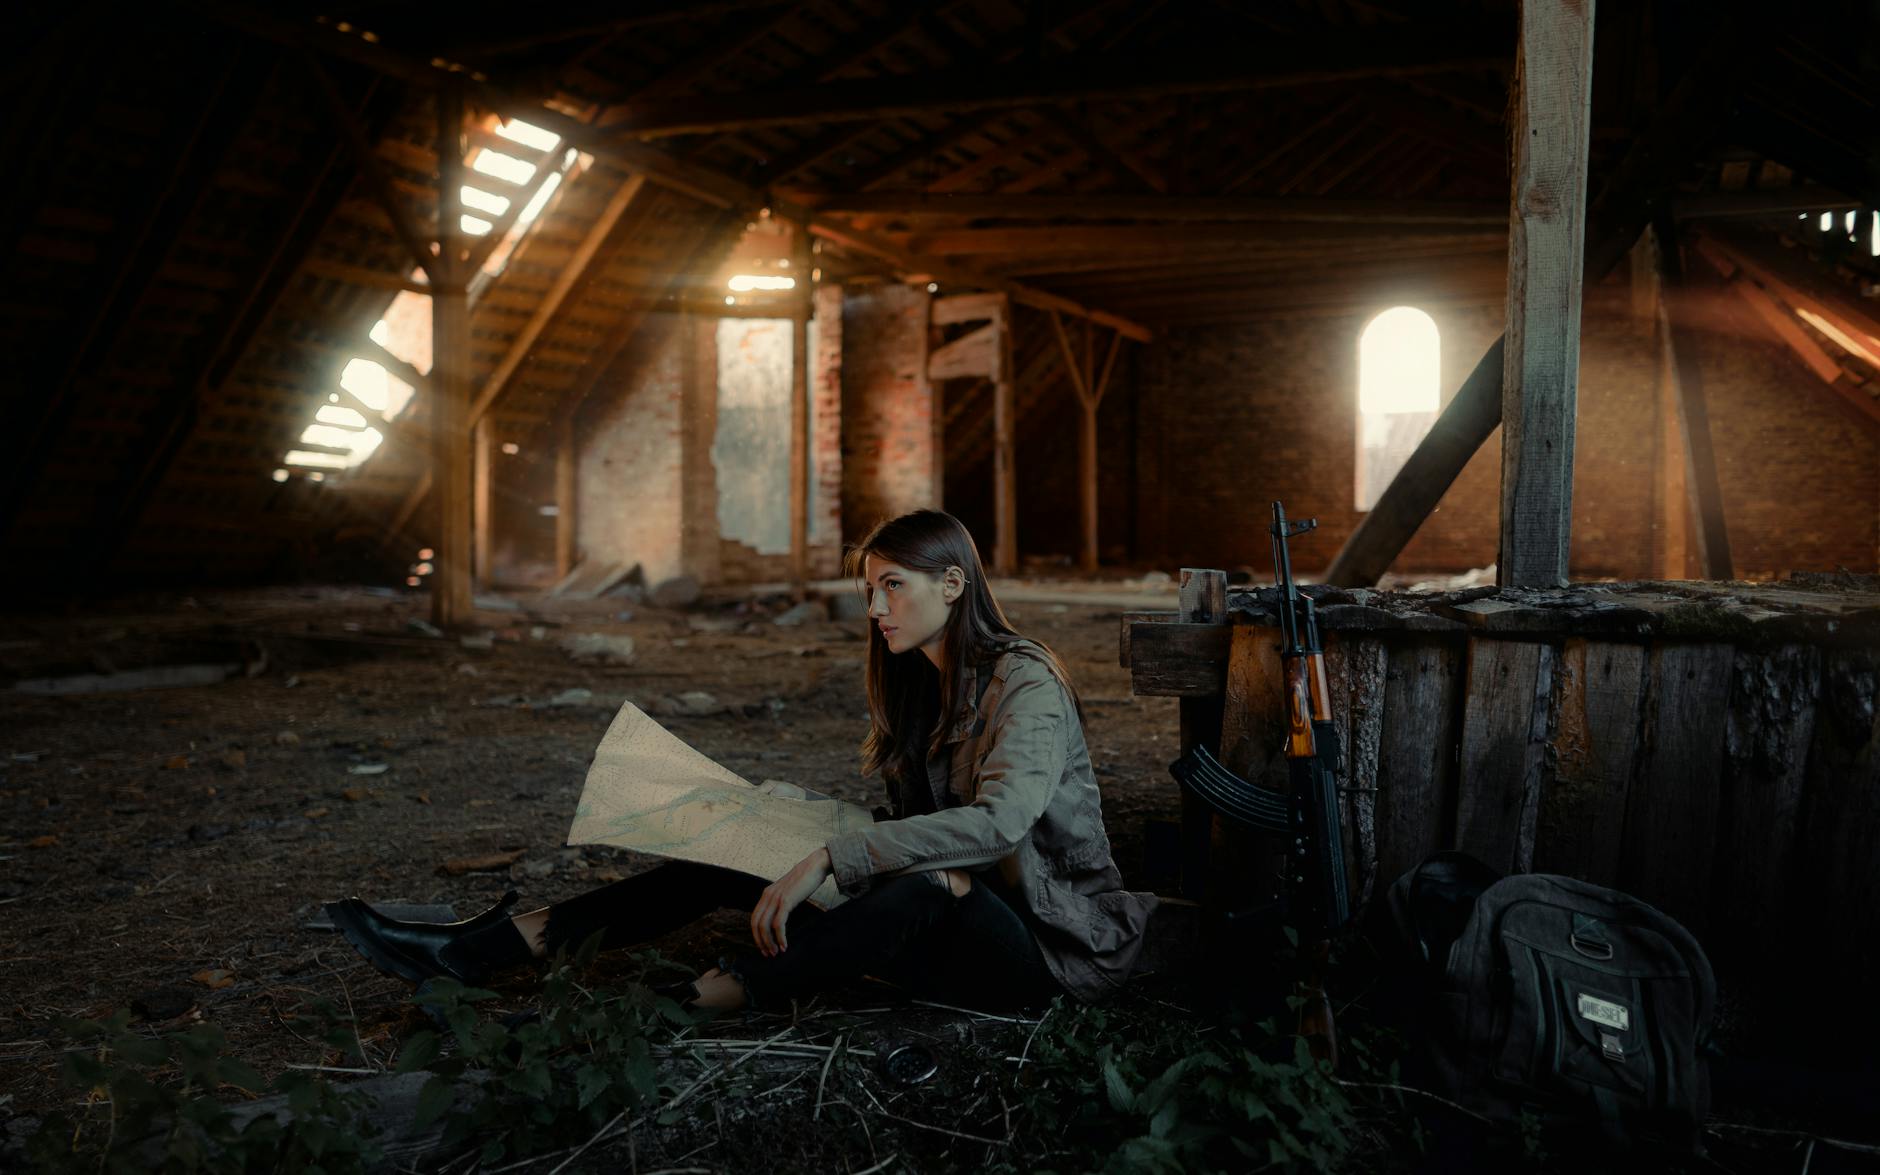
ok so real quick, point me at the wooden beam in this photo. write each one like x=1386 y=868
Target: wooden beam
x=1154 y=239
x=450 y=373
x=1789 y=202
x=1685 y=123
x=622 y=334
x=480 y=500
x=371 y=169
x=1004 y=470
x=1380 y=214
x=801 y=263
x=571 y=275
x=1546 y=247
x=1790 y=277
x=565 y=457
x=678 y=175
x=1123 y=75
x=1813 y=356
x=1678 y=337
x=360 y=275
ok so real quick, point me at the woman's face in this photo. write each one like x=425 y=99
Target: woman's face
x=911 y=607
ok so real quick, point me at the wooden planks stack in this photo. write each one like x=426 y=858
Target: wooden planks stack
x=1713 y=749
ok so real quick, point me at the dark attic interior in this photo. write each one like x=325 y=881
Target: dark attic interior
x=405 y=393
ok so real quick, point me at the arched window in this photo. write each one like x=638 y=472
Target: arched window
x=1399 y=381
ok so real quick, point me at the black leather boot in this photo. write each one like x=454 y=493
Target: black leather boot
x=468 y=951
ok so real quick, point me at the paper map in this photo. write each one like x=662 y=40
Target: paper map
x=650 y=792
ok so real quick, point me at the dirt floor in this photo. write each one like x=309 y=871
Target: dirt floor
x=166 y=849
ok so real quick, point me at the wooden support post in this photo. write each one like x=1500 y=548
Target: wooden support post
x=1684 y=124
x=1546 y=246
x=480 y=496
x=800 y=265
x=450 y=372
x=571 y=275
x=1004 y=471
x=1686 y=385
x=1089 y=387
x=1203 y=601
x=564 y=497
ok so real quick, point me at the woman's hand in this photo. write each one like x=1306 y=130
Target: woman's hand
x=784 y=895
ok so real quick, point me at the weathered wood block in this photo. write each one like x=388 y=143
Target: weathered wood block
x=1504 y=750
x=1178 y=660
x=1599 y=718
x=1416 y=756
x=1671 y=816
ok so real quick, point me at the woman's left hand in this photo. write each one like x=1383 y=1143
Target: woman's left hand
x=783 y=895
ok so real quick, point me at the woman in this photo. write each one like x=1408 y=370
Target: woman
x=990 y=885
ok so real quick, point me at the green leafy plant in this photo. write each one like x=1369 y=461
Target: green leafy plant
x=153 y=1105
x=1146 y=1093
x=584 y=1057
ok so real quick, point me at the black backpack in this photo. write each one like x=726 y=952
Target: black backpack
x=1548 y=997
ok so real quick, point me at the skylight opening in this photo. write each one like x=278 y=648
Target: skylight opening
x=312 y=460
x=746 y=282
x=527 y=134
x=375 y=387
x=476 y=226
x=335 y=414
x=540 y=200
x=503 y=167
x=484 y=201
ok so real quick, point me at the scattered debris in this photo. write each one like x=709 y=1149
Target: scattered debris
x=162 y=1003
x=27 y=756
x=590 y=580
x=570 y=697
x=715 y=624
x=354 y=794
x=176 y=763
x=809 y=611
x=848 y=606
x=317 y=813
x=681 y=591
x=538 y=632
x=234 y=760
x=160 y=677
x=468 y=670
x=43 y=842
x=368 y=768
x=537 y=869
x=690 y=704
x=425 y=627
x=481 y=642
x=487 y=863
x=215 y=979
x=287 y=738
x=606 y=648
x=495 y=604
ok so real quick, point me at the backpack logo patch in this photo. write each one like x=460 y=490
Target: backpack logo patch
x=1605 y=1012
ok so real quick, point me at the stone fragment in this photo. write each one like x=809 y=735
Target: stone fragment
x=681 y=591
x=808 y=612
x=606 y=648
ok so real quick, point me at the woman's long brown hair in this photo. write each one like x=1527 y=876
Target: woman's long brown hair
x=909 y=703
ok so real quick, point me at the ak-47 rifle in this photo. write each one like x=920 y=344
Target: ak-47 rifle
x=1313 y=898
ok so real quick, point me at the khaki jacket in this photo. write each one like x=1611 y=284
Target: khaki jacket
x=1013 y=790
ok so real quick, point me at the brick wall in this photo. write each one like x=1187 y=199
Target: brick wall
x=644 y=485
x=1232 y=417
x=825 y=392
x=890 y=463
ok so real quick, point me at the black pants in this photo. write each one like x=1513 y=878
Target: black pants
x=977 y=950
